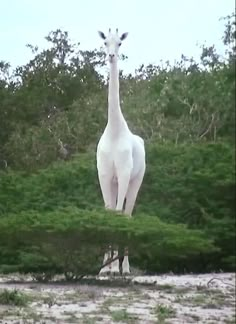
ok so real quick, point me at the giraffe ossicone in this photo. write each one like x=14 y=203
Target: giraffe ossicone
x=120 y=153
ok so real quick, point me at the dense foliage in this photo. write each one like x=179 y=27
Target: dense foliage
x=67 y=237
x=52 y=112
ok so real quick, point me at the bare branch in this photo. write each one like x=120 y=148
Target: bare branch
x=110 y=260
x=214 y=278
x=186 y=103
x=209 y=127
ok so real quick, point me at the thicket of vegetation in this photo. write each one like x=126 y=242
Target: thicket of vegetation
x=52 y=113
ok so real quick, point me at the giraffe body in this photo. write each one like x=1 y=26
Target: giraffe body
x=121 y=164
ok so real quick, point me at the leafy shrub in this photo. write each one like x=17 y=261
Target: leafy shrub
x=13 y=297
x=73 y=241
x=189 y=184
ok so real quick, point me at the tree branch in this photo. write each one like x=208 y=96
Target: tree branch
x=209 y=127
x=214 y=278
x=186 y=103
x=109 y=261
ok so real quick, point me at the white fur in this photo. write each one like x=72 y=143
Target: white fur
x=120 y=154
x=115 y=268
x=107 y=268
x=125 y=264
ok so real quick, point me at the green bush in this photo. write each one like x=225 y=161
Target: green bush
x=13 y=298
x=71 y=240
x=63 y=184
x=189 y=184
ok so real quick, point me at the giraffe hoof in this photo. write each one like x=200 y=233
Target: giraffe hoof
x=104 y=274
x=115 y=273
x=126 y=274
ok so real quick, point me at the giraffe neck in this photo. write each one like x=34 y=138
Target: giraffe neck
x=115 y=117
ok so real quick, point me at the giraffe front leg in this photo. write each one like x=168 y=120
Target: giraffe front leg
x=125 y=263
x=123 y=166
x=106 y=188
x=115 y=267
x=132 y=192
x=107 y=269
x=114 y=192
x=123 y=184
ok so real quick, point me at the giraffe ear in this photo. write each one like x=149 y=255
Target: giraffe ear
x=101 y=34
x=123 y=36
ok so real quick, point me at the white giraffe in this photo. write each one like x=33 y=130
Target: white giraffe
x=120 y=154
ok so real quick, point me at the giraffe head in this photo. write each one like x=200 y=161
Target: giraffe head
x=112 y=43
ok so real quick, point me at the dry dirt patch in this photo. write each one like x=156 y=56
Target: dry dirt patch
x=208 y=298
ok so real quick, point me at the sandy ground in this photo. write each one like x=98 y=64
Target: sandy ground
x=208 y=298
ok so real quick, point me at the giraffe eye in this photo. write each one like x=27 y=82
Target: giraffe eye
x=105 y=43
x=119 y=44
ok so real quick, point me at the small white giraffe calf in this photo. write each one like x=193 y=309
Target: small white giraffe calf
x=120 y=154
